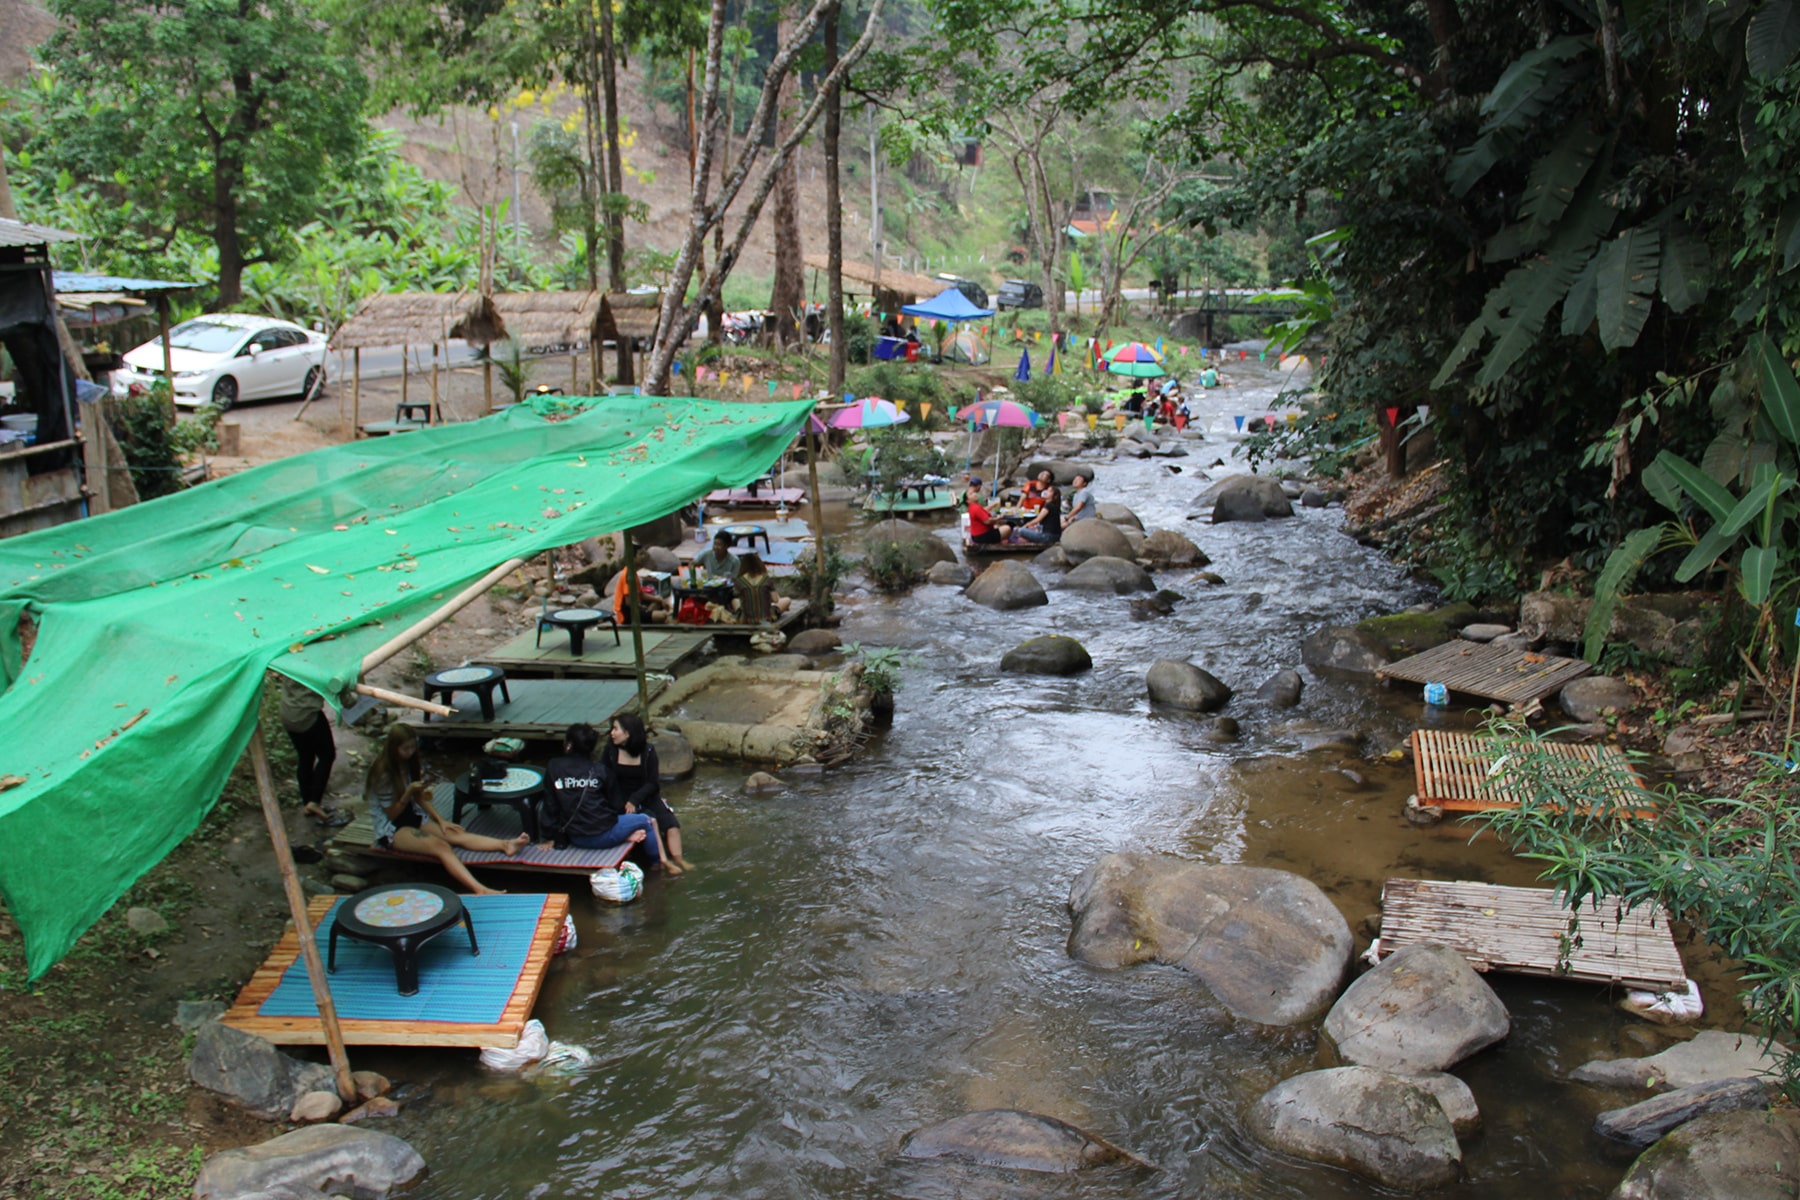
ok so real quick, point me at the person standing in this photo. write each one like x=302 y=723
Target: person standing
x=302 y=714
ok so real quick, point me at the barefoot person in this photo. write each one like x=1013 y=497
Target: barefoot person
x=581 y=807
x=636 y=781
x=403 y=818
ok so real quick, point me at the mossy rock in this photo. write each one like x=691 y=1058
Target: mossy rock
x=1410 y=633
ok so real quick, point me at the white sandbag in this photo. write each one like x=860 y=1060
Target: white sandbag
x=620 y=884
x=1666 y=1008
x=533 y=1045
x=565 y=938
x=563 y=1059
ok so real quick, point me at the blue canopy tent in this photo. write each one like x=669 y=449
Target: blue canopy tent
x=948 y=306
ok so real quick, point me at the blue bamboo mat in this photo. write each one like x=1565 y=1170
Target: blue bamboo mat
x=454 y=985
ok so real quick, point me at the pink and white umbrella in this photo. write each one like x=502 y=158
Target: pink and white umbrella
x=871 y=412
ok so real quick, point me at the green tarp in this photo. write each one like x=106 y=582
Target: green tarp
x=155 y=624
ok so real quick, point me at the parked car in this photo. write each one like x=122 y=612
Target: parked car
x=221 y=358
x=1017 y=293
x=973 y=292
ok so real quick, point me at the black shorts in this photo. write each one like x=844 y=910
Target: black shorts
x=658 y=810
x=991 y=537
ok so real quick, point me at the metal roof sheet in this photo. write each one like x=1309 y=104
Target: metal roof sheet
x=19 y=233
x=74 y=282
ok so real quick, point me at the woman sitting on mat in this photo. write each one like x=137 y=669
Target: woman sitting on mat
x=756 y=600
x=983 y=530
x=580 y=808
x=636 y=779
x=403 y=818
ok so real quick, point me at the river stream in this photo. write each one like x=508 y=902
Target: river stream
x=883 y=946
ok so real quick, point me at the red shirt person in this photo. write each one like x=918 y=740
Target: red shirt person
x=981 y=521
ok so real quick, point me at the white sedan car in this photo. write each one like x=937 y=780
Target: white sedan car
x=221 y=358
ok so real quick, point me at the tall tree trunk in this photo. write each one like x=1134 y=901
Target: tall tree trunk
x=596 y=181
x=834 y=211
x=225 y=237
x=6 y=201
x=615 y=165
x=788 y=294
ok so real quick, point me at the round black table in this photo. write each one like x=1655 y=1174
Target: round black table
x=707 y=591
x=747 y=533
x=401 y=917
x=480 y=680
x=577 y=621
x=519 y=789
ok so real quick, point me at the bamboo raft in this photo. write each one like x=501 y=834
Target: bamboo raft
x=522 y=656
x=539 y=708
x=1456 y=772
x=1005 y=547
x=1524 y=931
x=451 y=984
x=495 y=821
x=1489 y=672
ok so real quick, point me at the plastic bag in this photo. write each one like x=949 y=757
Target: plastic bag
x=1677 y=1007
x=563 y=1059
x=565 y=939
x=533 y=1045
x=620 y=884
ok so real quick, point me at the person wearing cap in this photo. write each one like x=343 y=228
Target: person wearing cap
x=719 y=562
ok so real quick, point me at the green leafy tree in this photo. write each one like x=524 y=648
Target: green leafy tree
x=222 y=115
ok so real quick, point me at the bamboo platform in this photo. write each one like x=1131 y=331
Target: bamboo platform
x=1521 y=930
x=540 y=708
x=1455 y=772
x=448 y=981
x=495 y=821
x=793 y=614
x=1489 y=672
x=772 y=497
x=1005 y=547
x=664 y=653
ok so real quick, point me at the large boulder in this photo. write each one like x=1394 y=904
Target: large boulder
x=1592 y=697
x=1423 y=1009
x=1119 y=515
x=815 y=642
x=1407 y=633
x=949 y=574
x=1061 y=470
x=920 y=544
x=1282 y=689
x=1246 y=498
x=320 y=1159
x=1722 y=1156
x=1019 y=1141
x=1711 y=1054
x=1344 y=648
x=1648 y=1120
x=1267 y=944
x=674 y=754
x=1180 y=684
x=1103 y=573
x=1371 y=1122
x=1166 y=548
x=251 y=1073
x=1093 y=538
x=1007 y=585
x=1051 y=654
x=1454 y=1097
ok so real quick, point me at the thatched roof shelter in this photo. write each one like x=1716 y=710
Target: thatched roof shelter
x=537 y=319
x=886 y=284
x=629 y=315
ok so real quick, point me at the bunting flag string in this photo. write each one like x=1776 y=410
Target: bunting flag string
x=1393 y=416
x=771 y=389
x=1240 y=423
x=797 y=390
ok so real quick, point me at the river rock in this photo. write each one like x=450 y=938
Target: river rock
x=1020 y=1141
x=1103 y=573
x=1056 y=557
x=1645 y=1122
x=313 y=1107
x=1423 y=1009
x=674 y=754
x=1166 y=548
x=348 y=884
x=1267 y=944
x=922 y=545
x=816 y=641
x=1171 y=450
x=1007 y=585
x=950 y=574
x=761 y=782
x=1721 y=1156
x=370 y=1084
x=330 y=1159
x=374 y=1108
x=1312 y=497
x=1482 y=631
x=1132 y=449
x=1061 y=470
x=660 y=558
x=1180 y=684
x=1082 y=540
x=1711 y=1054
x=1452 y=1095
x=251 y=1073
x=1118 y=514
x=1591 y=697
x=1371 y=1122
x=1405 y=633
x=192 y=1014
x=1051 y=654
x=1282 y=689
x=1344 y=648
x=146 y=922
x=1685 y=748
x=1220 y=730
x=1246 y=498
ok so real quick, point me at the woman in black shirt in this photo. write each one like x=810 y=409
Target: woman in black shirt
x=635 y=778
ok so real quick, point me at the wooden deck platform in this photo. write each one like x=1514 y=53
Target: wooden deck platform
x=1455 y=772
x=767 y=497
x=521 y=656
x=788 y=619
x=496 y=821
x=452 y=982
x=1005 y=547
x=1520 y=930
x=1488 y=672
x=540 y=708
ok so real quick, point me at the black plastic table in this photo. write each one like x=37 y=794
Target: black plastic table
x=401 y=917
x=519 y=789
x=577 y=621
x=480 y=680
x=413 y=410
x=747 y=533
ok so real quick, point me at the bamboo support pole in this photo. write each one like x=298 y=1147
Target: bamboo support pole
x=444 y=612
x=437 y=413
x=487 y=384
x=405 y=371
x=162 y=324
x=818 y=519
x=401 y=698
x=355 y=394
x=635 y=604
x=574 y=374
x=296 y=898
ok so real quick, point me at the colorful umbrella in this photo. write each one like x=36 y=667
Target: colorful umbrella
x=997 y=412
x=871 y=412
x=1136 y=360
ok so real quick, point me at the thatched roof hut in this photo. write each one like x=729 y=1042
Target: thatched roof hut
x=567 y=320
x=889 y=287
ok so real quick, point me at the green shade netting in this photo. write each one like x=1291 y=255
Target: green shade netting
x=156 y=623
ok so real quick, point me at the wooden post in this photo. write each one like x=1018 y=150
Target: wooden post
x=818 y=519
x=574 y=374
x=487 y=382
x=296 y=898
x=634 y=603
x=437 y=414
x=162 y=322
x=93 y=460
x=356 y=394
x=405 y=362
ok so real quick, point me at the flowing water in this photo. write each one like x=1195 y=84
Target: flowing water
x=883 y=947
